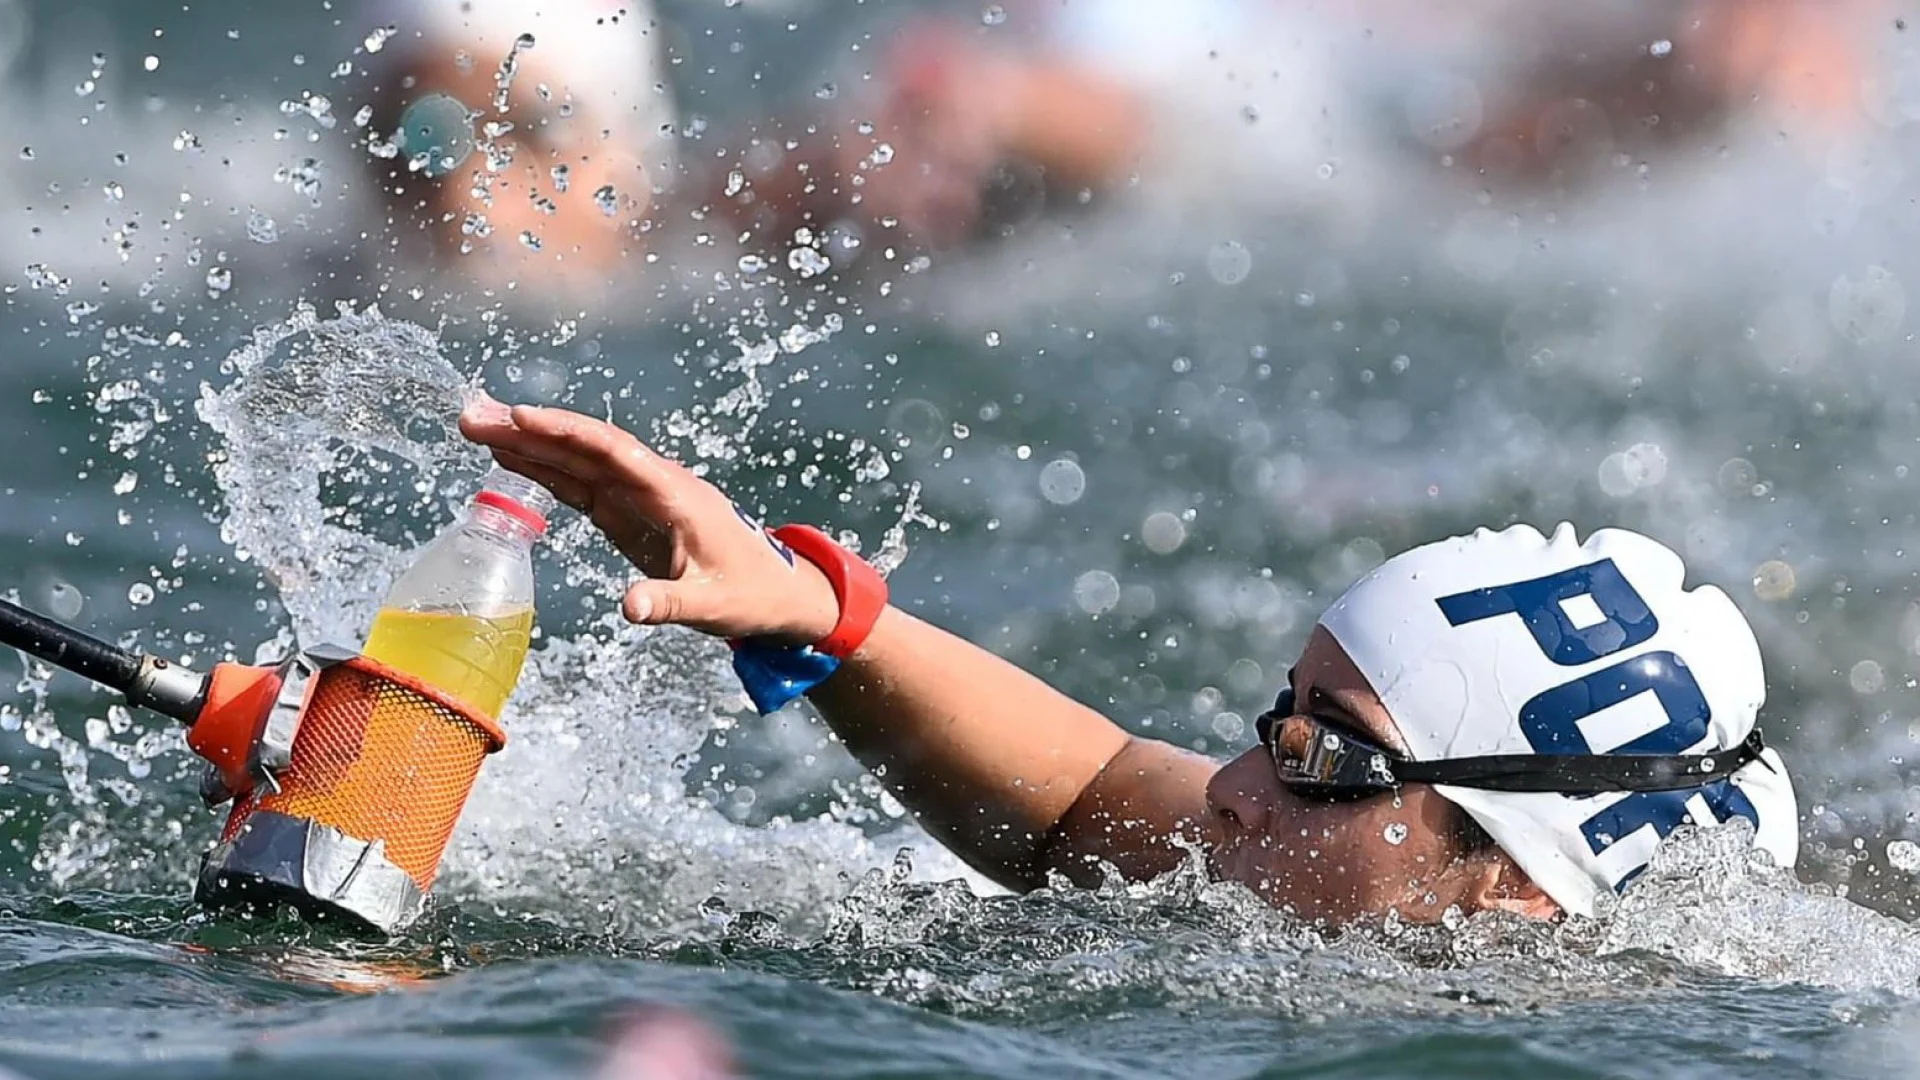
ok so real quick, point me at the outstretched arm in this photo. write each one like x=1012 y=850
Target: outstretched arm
x=1014 y=776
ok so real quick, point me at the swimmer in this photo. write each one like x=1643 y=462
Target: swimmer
x=956 y=130
x=1501 y=721
x=551 y=188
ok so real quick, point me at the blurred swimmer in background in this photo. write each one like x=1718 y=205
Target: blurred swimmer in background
x=957 y=130
x=529 y=138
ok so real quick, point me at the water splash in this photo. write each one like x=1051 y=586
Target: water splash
x=1709 y=899
x=333 y=426
x=1705 y=911
x=356 y=400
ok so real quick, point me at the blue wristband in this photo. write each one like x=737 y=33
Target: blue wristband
x=776 y=674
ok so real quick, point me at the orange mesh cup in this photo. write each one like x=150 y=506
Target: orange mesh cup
x=379 y=755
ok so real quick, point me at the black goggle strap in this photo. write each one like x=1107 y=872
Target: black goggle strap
x=1336 y=760
x=1583 y=774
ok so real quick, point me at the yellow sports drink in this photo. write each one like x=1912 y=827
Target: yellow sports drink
x=460 y=619
x=475 y=658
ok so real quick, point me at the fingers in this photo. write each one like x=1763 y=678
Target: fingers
x=568 y=490
x=567 y=438
x=659 y=602
x=530 y=434
x=594 y=453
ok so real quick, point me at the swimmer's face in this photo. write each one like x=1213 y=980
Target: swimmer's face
x=564 y=203
x=1341 y=861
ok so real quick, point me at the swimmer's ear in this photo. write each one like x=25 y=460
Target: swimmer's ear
x=1502 y=886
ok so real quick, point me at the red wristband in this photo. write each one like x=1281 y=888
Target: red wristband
x=857 y=587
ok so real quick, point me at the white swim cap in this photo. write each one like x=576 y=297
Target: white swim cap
x=1512 y=643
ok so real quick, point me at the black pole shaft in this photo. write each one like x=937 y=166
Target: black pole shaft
x=63 y=646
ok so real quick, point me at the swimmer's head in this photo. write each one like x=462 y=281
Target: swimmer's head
x=528 y=135
x=1582 y=702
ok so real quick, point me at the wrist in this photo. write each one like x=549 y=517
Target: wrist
x=775 y=671
x=813 y=611
x=859 y=592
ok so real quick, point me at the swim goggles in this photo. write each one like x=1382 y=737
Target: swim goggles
x=1318 y=759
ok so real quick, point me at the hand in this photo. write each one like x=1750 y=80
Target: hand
x=707 y=565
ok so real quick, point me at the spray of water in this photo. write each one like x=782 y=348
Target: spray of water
x=331 y=424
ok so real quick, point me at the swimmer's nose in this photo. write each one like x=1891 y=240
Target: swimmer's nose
x=1240 y=795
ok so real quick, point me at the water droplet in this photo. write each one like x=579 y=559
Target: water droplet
x=1867 y=677
x=1229 y=262
x=1773 y=580
x=64 y=601
x=1096 y=592
x=1663 y=47
x=607 y=200
x=807 y=262
x=1395 y=833
x=377 y=38
x=1904 y=855
x=262 y=229
x=531 y=241
x=40 y=276
x=140 y=594
x=993 y=339
x=151 y=63
x=1163 y=533
x=1230 y=727
x=26 y=153
x=1062 y=482
x=114 y=191
x=993 y=15
x=219 y=280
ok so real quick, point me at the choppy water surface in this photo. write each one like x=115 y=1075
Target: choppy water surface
x=1136 y=448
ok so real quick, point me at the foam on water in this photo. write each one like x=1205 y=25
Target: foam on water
x=1185 y=942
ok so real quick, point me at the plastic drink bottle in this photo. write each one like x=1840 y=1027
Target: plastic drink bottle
x=460 y=619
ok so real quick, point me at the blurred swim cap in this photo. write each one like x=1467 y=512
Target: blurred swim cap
x=1514 y=643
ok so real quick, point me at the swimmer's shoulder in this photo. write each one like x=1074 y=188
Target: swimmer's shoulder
x=1140 y=814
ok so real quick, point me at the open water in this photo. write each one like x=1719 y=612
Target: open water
x=1135 y=447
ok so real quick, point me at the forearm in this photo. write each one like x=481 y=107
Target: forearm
x=988 y=757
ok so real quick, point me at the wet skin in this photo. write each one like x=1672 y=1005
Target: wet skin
x=1016 y=778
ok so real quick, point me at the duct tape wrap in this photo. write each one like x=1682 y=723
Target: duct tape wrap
x=358 y=788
